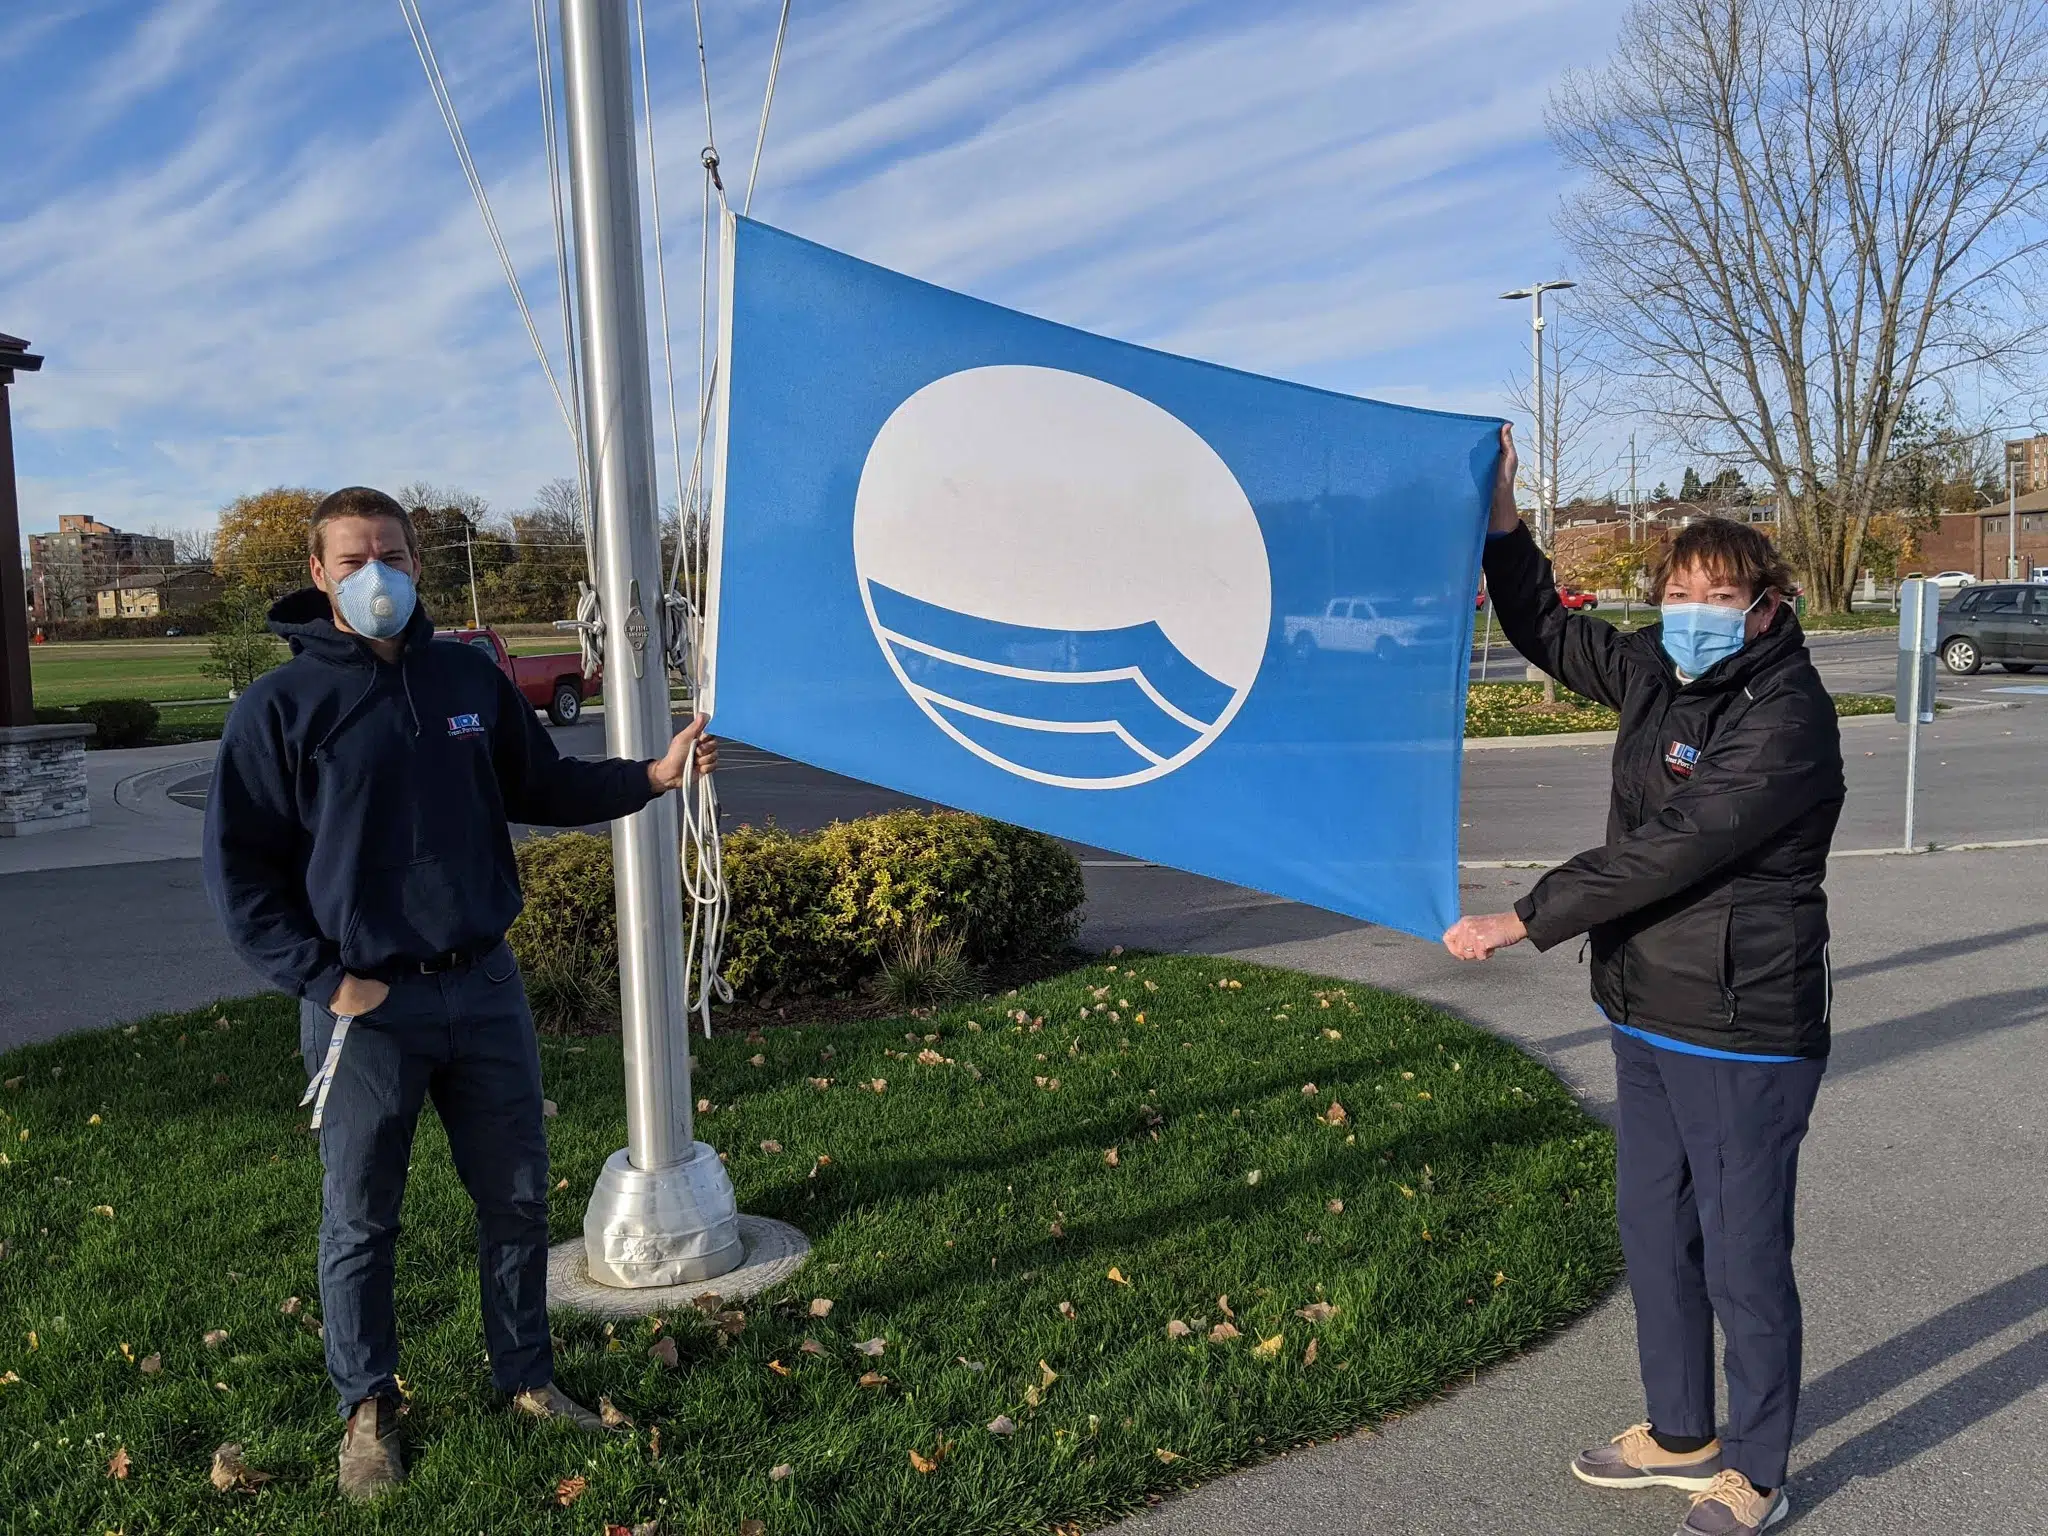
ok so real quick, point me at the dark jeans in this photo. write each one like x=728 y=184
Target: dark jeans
x=466 y=1038
x=1708 y=1163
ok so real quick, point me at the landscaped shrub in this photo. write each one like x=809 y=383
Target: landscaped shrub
x=119 y=722
x=814 y=912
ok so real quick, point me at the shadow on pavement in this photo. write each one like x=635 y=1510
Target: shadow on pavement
x=1948 y=949
x=1931 y=1029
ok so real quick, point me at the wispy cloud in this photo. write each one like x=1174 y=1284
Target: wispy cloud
x=243 y=241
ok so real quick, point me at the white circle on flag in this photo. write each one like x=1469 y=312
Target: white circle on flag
x=1066 y=578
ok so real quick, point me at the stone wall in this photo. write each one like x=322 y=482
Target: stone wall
x=42 y=779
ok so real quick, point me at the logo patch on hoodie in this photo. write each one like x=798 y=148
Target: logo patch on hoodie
x=1680 y=759
x=465 y=725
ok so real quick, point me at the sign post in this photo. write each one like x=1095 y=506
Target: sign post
x=1919 y=625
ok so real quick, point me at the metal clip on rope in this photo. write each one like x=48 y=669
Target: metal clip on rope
x=589 y=627
x=710 y=158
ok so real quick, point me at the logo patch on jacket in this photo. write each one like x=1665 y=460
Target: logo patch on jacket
x=1681 y=758
x=465 y=725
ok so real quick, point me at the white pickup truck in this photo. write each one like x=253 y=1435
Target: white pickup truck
x=1358 y=625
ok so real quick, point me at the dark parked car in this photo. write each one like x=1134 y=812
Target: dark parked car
x=2005 y=622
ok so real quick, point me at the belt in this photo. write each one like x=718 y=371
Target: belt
x=435 y=965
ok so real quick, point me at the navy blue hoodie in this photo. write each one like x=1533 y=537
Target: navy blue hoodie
x=359 y=807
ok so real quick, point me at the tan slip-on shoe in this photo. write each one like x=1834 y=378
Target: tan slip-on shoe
x=1633 y=1459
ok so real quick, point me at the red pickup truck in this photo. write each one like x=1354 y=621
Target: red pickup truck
x=554 y=682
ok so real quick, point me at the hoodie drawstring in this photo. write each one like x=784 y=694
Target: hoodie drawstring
x=405 y=682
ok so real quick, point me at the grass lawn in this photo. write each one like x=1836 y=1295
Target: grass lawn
x=968 y=1215
x=71 y=672
x=1503 y=709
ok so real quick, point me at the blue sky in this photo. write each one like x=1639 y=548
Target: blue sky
x=238 y=232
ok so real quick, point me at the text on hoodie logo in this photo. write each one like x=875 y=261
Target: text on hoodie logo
x=465 y=725
x=1681 y=758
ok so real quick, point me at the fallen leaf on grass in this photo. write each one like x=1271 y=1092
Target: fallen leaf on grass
x=972 y=1365
x=707 y=1302
x=549 y=1109
x=213 y=1338
x=1166 y=1455
x=1308 y=1356
x=290 y=1306
x=810 y=1347
x=1252 y=1177
x=821 y=1306
x=1178 y=1329
x=1046 y=1374
x=872 y=1348
x=664 y=1350
x=771 y=1147
x=820 y=1083
x=926 y=1465
x=1317 y=1312
x=1223 y=1306
x=560 y=1185
x=1002 y=1424
x=1067 y=1311
x=611 y=1416
x=1223 y=1333
x=757 y=1061
x=95 y=1120
x=1057 y=1230
x=778 y=1367
x=930 y=1058
x=1117 y=1275
x=1336 y=1207
x=1336 y=1114
x=732 y=1324
x=1109 y=1156
x=13 y=1083
x=1309 y=1090
x=230 y=1472
x=1499 y=1279
x=703 y=1106
x=780 y=1471
x=753 y=1528
x=872 y=1379
x=879 y=1085
x=570 y=1489
x=1268 y=1349
x=1033 y=1397
x=104 y=1210
x=117 y=1466
x=149 y=1365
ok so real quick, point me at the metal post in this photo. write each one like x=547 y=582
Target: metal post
x=2012 y=524
x=1536 y=365
x=17 y=691
x=1919 y=624
x=662 y=1212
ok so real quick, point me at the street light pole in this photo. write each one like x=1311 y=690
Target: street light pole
x=663 y=1211
x=17 y=692
x=1535 y=296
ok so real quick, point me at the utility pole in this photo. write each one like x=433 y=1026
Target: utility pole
x=663 y=1211
x=475 y=619
x=2012 y=523
x=1631 y=487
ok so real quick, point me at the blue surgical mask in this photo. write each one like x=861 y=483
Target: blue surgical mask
x=376 y=600
x=1696 y=635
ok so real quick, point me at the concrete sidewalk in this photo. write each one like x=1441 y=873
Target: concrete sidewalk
x=1923 y=1255
x=134 y=820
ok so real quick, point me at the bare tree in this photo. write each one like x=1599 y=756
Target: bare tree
x=1796 y=214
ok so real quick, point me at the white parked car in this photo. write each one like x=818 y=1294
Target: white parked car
x=1355 y=624
x=1953 y=581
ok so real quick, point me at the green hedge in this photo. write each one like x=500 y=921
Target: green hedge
x=116 y=722
x=811 y=912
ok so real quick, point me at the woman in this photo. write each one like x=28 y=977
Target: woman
x=1709 y=937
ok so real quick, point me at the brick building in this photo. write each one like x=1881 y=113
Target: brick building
x=1978 y=541
x=68 y=568
x=2026 y=461
x=181 y=589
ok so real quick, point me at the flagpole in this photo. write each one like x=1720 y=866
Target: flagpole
x=663 y=1211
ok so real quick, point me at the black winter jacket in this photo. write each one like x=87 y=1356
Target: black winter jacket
x=357 y=820
x=1704 y=906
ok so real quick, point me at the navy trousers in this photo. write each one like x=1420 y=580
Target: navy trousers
x=464 y=1038
x=1707 y=1166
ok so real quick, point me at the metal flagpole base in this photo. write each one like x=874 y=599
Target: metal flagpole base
x=662 y=1226
x=774 y=1250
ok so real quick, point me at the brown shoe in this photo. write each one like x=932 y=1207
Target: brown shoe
x=371 y=1461
x=1731 y=1506
x=551 y=1402
x=1634 y=1459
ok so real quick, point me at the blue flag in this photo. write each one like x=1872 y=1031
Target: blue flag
x=1188 y=614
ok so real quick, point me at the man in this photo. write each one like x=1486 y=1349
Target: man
x=1709 y=934
x=358 y=854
